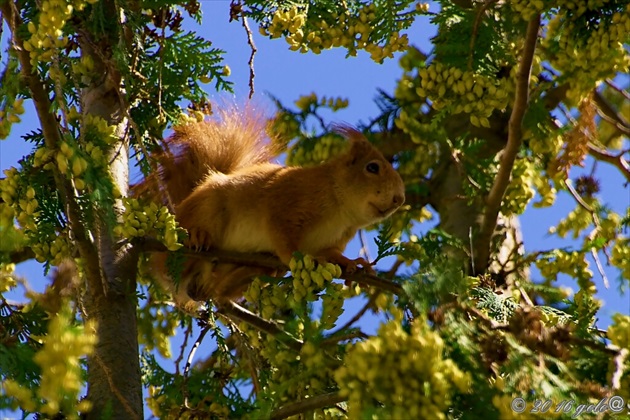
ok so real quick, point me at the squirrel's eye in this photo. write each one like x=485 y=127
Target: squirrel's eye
x=373 y=167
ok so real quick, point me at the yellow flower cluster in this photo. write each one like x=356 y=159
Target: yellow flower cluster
x=47 y=35
x=608 y=226
x=70 y=162
x=503 y=403
x=283 y=128
x=332 y=305
x=342 y=30
x=165 y=407
x=83 y=67
x=284 y=369
x=619 y=331
x=7 y=277
x=519 y=191
x=21 y=202
x=400 y=374
x=156 y=327
x=620 y=257
x=585 y=62
x=401 y=219
x=572 y=263
x=59 y=359
x=294 y=376
x=55 y=249
x=268 y=299
x=545 y=149
x=543 y=146
x=139 y=220
x=315 y=364
x=6 y=216
x=10 y=115
x=309 y=276
x=9 y=185
x=155 y=401
x=419 y=163
x=305 y=102
x=323 y=148
x=73 y=160
x=459 y=91
x=576 y=221
x=546 y=191
x=527 y=9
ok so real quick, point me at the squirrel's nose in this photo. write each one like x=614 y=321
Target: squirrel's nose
x=399 y=199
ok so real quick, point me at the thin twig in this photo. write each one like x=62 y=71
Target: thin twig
x=193 y=350
x=600 y=268
x=308 y=404
x=357 y=316
x=615 y=118
x=581 y=201
x=362 y=277
x=591 y=235
x=502 y=180
x=624 y=92
x=336 y=339
x=389 y=274
x=187 y=335
x=250 y=63
x=364 y=248
x=523 y=293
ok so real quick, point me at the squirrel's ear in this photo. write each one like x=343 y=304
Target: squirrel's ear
x=359 y=145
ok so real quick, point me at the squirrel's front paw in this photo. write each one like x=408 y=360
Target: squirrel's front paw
x=350 y=266
x=198 y=239
x=353 y=265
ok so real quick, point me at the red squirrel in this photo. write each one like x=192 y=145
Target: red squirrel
x=229 y=196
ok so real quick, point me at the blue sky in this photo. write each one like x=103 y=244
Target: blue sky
x=287 y=75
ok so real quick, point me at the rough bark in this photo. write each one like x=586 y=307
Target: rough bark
x=114 y=379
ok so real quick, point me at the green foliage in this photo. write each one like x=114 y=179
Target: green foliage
x=498 y=307
x=456 y=24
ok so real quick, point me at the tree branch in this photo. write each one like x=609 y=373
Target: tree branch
x=235 y=311
x=319 y=401
x=607 y=111
x=493 y=202
x=266 y=261
x=616 y=160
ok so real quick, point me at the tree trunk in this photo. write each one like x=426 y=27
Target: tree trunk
x=114 y=379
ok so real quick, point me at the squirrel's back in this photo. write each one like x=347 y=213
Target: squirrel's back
x=231 y=141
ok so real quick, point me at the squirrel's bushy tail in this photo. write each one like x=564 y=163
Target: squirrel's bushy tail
x=228 y=142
